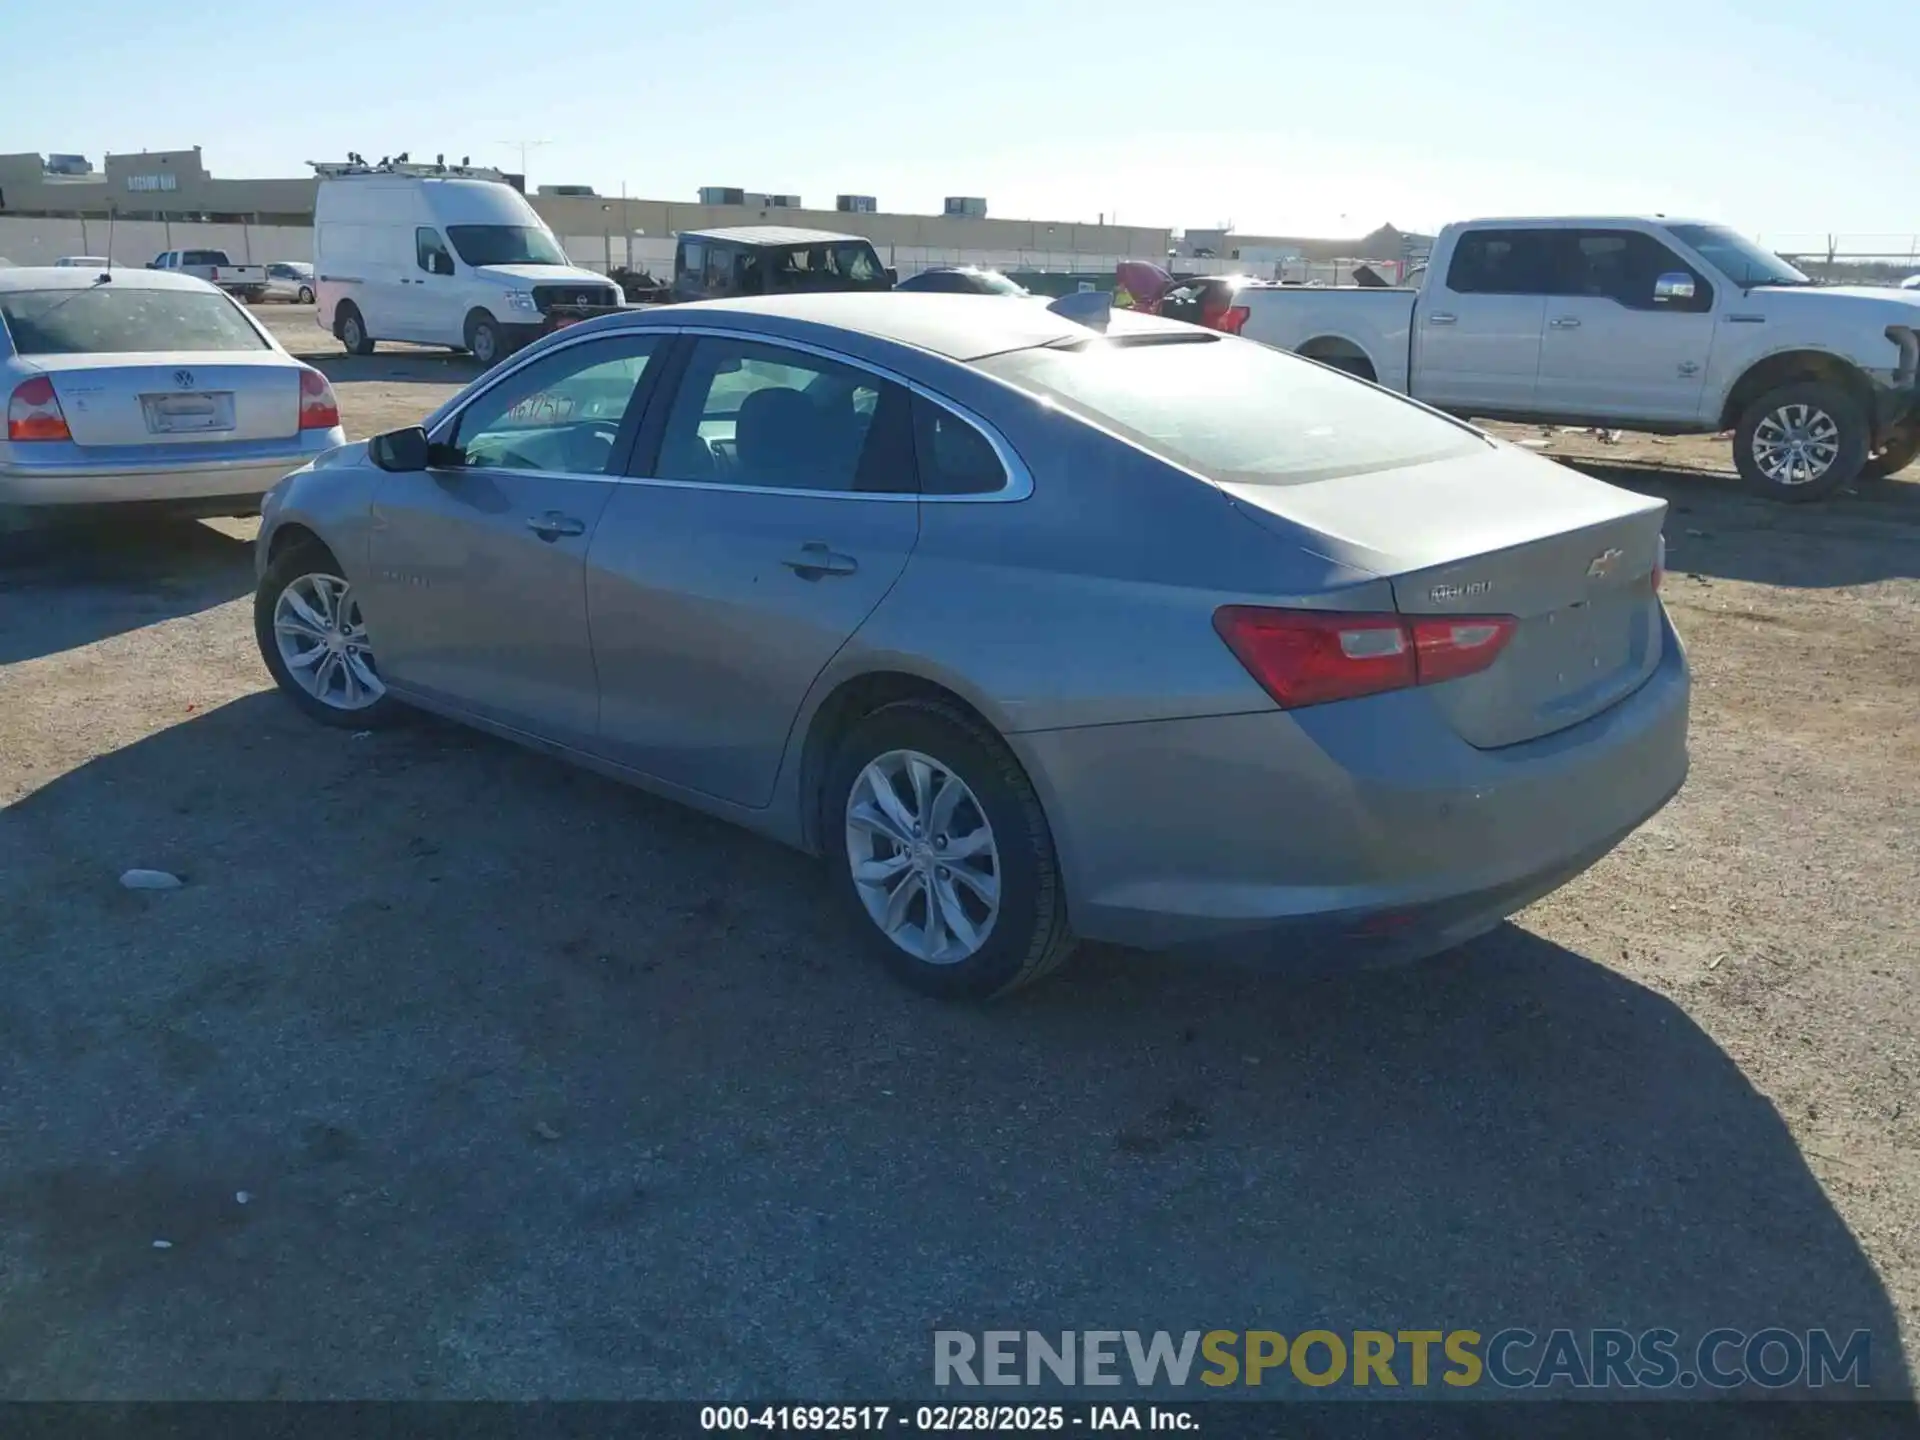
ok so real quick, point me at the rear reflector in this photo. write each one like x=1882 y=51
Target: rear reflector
x=34 y=412
x=1309 y=657
x=318 y=409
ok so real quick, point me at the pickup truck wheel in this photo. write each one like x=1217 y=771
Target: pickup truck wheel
x=1900 y=451
x=483 y=338
x=1801 y=442
x=352 y=331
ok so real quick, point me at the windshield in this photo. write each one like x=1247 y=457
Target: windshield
x=1236 y=411
x=506 y=245
x=839 y=265
x=120 y=320
x=1737 y=257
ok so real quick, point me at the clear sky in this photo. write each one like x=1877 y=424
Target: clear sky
x=1778 y=116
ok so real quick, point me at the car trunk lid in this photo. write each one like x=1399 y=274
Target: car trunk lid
x=176 y=398
x=1571 y=558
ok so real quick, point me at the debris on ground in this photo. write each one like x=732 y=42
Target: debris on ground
x=545 y=1131
x=150 y=880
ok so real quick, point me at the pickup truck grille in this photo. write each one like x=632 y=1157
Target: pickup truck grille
x=548 y=296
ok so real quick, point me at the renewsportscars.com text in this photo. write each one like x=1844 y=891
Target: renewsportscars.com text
x=1511 y=1359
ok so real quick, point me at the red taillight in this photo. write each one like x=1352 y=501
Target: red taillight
x=1309 y=657
x=34 y=412
x=318 y=409
x=1235 y=317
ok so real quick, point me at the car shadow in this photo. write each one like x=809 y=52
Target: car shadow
x=452 y=1071
x=1860 y=536
x=402 y=367
x=69 y=583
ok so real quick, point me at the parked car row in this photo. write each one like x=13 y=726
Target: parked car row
x=864 y=572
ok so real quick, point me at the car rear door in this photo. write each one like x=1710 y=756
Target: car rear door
x=1477 y=327
x=1618 y=344
x=774 y=511
x=476 y=591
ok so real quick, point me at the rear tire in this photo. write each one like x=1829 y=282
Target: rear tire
x=1900 y=451
x=989 y=835
x=1801 y=441
x=483 y=339
x=305 y=297
x=313 y=639
x=351 y=330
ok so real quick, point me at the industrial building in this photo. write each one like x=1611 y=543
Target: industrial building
x=146 y=202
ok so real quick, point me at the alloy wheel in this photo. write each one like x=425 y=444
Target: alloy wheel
x=923 y=857
x=322 y=640
x=1796 y=444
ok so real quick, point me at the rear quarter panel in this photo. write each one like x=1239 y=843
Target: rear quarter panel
x=1376 y=322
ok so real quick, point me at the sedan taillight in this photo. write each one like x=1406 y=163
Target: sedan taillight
x=34 y=412
x=1311 y=657
x=318 y=409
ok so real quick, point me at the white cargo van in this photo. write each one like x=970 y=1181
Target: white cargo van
x=438 y=256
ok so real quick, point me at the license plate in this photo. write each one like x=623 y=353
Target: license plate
x=209 y=410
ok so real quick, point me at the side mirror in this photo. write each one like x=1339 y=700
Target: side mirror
x=401 y=450
x=442 y=263
x=1676 y=286
x=893 y=276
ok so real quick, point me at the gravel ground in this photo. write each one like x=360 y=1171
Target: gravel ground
x=537 y=1086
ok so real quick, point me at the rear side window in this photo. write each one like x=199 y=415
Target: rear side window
x=1235 y=411
x=121 y=320
x=1502 y=262
x=954 y=458
x=693 y=257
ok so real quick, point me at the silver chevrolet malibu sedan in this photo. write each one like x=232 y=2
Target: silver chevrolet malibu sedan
x=1036 y=622
x=138 y=386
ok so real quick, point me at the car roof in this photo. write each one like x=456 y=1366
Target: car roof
x=767 y=235
x=81 y=277
x=960 y=327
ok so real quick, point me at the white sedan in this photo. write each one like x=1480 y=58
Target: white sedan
x=137 y=385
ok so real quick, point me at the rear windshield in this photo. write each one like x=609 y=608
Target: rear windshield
x=204 y=257
x=1236 y=411
x=121 y=320
x=505 y=245
x=845 y=265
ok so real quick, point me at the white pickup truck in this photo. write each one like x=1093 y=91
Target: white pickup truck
x=249 y=282
x=1642 y=324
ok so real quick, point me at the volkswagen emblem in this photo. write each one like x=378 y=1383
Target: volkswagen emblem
x=1602 y=564
x=183 y=378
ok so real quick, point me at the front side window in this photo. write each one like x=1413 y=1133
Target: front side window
x=1235 y=411
x=1623 y=266
x=121 y=320
x=761 y=415
x=505 y=245
x=1501 y=262
x=430 y=252
x=562 y=413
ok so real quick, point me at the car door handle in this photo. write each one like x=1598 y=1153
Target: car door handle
x=1441 y=319
x=815 y=561
x=552 y=525
x=1565 y=322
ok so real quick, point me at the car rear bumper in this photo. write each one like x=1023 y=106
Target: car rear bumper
x=1360 y=831
x=60 y=474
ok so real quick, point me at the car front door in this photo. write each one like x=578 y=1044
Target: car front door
x=1629 y=329
x=478 y=593
x=775 y=512
x=1477 y=327
x=426 y=307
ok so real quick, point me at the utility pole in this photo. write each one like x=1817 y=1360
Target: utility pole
x=523 y=146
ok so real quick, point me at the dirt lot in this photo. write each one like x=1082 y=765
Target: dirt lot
x=534 y=1085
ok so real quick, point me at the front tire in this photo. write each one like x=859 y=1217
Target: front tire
x=1801 y=442
x=483 y=339
x=938 y=844
x=305 y=297
x=307 y=622
x=1900 y=451
x=351 y=330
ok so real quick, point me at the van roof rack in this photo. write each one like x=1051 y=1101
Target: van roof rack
x=399 y=164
